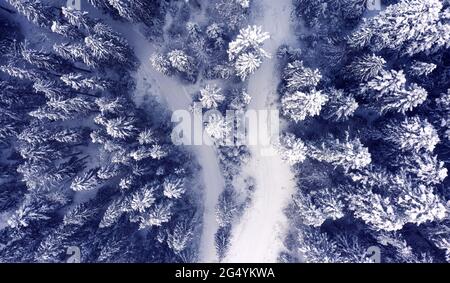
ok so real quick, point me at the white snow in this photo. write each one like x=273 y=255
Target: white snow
x=258 y=237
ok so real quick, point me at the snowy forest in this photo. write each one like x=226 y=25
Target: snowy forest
x=89 y=162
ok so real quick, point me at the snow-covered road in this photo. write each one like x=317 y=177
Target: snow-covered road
x=259 y=234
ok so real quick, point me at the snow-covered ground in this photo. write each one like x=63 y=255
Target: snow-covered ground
x=259 y=234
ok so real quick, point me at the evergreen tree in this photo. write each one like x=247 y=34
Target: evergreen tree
x=411 y=134
x=366 y=67
x=122 y=127
x=246 y=50
x=35 y=11
x=340 y=106
x=390 y=93
x=226 y=208
x=178 y=240
x=143 y=199
x=79 y=82
x=85 y=182
x=292 y=150
x=298 y=105
x=410 y=26
x=64 y=109
x=211 y=96
x=174 y=188
x=316 y=247
x=299 y=77
x=157 y=215
x=181 y=62
x=349 y=154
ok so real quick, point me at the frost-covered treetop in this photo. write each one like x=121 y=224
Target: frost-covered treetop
x=211 y=96
x=292 y=149
x=298 y=105
x=249 y=39
x=246 y=50
x=412 y=134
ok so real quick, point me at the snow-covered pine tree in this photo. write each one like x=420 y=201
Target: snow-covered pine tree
x=126 y=9
x=440 y=235
x=86 y=181
x=218 y=128
x=64 y=109
x=178 y=239
x=246 y=50
x=143 y=199
x=181 y=62
x=443 y=113
x=353 y=249
x=424 y=167
x=112 y=214
x=105 y=49
x=404 y=252
x=420 y=204
x=75 y=51
x=247 y=64
x=316 y=247
x=298 y=105
x=227 y=207
x=158 y=214
x=419 y=69
x=79 y=82
x=147 y=136
x=299 y=77
x=134 y=10
x=109 y=105
x=411 y=134
x=349 y=154
x=222 y=241
x=35 y=11
x=365 y=67
x=20 y=73
x=108 y=171
x=161 y=63
x=121 y=127
x=389 y=92
x=409 y=26
x=211 y=96
x=292 y=149
x=66 y=30
x=50 y=89
x=45 y=61
x=174 y=188
x=313 y=210
x=40 y=152
x=340 y=106
x=379 y=212
x=77 y=18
